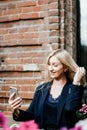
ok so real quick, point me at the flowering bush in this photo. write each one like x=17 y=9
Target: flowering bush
x=3 y=121
x=31 y=125
x=82 y=113
x=74 y=128
x=28 y=125
x=82 y=124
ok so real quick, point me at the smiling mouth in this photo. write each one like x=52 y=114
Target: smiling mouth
x=52 y=72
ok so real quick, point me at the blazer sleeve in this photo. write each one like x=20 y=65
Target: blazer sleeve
x=29 y=113
x=74 y=97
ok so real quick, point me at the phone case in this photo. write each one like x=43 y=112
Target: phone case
x=14 y=90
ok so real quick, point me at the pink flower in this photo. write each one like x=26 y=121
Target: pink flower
x=82 y=113
x=64 y=128
x=28 y=125
x=84 y=109
x=76 y=128
x=14 y=127
x=3 y=121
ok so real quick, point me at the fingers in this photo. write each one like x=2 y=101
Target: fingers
x=16 y=103
x=12 y=96
x=81 y=70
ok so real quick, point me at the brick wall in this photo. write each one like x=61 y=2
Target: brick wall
x=29 y=29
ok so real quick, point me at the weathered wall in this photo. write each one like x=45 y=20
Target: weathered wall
x=29 y=29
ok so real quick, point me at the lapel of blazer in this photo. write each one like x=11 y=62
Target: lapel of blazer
x=62 y=101
x=44 y=94
x=42 y=100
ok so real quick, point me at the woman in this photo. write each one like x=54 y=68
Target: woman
x=55 y=102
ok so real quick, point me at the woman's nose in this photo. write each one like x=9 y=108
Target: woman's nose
x=51 y=67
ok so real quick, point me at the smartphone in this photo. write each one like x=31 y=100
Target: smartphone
x=14 y=90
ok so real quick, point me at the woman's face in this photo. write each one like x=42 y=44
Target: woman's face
x=55 y=68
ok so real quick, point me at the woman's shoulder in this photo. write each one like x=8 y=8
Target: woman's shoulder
x=43 y=85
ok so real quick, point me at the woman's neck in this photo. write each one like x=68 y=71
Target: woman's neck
x=57 y=87
x=60 y=82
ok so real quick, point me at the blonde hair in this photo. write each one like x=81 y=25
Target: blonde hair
x=67 y=60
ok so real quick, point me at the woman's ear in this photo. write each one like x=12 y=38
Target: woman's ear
x=65 y=68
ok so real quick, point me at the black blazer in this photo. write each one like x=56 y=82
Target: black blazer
x=69 y=102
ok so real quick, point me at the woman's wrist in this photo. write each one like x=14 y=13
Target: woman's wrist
x=76 y=82
x=17 y=112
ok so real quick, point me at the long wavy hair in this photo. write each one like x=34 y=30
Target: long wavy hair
x=66 y=59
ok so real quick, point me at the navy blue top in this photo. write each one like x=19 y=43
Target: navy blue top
x=50 y=110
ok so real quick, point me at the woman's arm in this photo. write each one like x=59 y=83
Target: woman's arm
x=29 y=113
x=74 y=98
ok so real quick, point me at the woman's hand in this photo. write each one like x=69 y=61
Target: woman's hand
x=14 y=103
x=80 y=72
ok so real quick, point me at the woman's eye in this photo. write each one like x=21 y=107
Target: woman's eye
x=55 y=65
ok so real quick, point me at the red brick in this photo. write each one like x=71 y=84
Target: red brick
x=26 y=3
x=54 y=19
x=54 y=40
x=3 y=7
x=14 y=17
x=11 y=5
x=12 y=30
x=8 y=42
x=55 y=46
x=13 y=61
x=53 y=5
x=27 y=9
x=1 y=13
x=38 y=8
x=2 y=100
x=3 y=107
x=26 y=95
x=43 y=14
x=12 y=11
x=43 y=2
x=28 y=29
x=4 y=18
x=62 y=40
x=53 y=12
x=54 y=26
x=54 y=33
x=28 y=41
x=5 y=88
x=29 y=15
x=51 y=1
x=13 y=36
x=26 y=81
x=43 y=41
x=38 y=60
x=1 y=38
x=62 y=13
x=2 y=94
x=30 y=35
x=10 y=81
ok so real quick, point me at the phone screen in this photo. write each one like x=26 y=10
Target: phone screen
x=14 y=90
